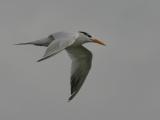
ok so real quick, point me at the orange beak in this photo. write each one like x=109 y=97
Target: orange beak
x=95 y=40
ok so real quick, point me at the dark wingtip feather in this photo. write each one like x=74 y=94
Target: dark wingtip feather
x=72 y=96
x=43 y=58
x=40 y=60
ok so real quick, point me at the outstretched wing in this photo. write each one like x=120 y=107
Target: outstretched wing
x=81 y=64
x=57 y=46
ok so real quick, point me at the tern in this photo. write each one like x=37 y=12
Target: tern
x=80 y=56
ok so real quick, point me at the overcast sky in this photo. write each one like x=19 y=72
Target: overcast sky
x=124 y=82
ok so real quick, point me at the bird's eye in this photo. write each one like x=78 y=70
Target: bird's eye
x=50 y=37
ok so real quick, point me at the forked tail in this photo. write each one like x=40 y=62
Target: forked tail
x=24 y=43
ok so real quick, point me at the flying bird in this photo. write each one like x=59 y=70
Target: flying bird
x=80 y=56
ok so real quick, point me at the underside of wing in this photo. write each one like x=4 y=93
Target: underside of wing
x=81 y=64
x=57 y=46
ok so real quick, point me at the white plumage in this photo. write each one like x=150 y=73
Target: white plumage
x=80 y=56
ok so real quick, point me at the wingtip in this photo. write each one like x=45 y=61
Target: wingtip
x=68 y=100
x=40 y=60
x=72 y=96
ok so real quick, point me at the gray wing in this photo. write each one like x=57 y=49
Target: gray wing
x=81 y=64
x=57 y=46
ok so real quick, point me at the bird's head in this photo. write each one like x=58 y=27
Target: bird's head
x=90 y=38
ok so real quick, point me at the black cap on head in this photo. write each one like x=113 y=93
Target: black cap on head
x=85 y=34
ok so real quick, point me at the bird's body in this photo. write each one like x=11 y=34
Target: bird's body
x=80 y=56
